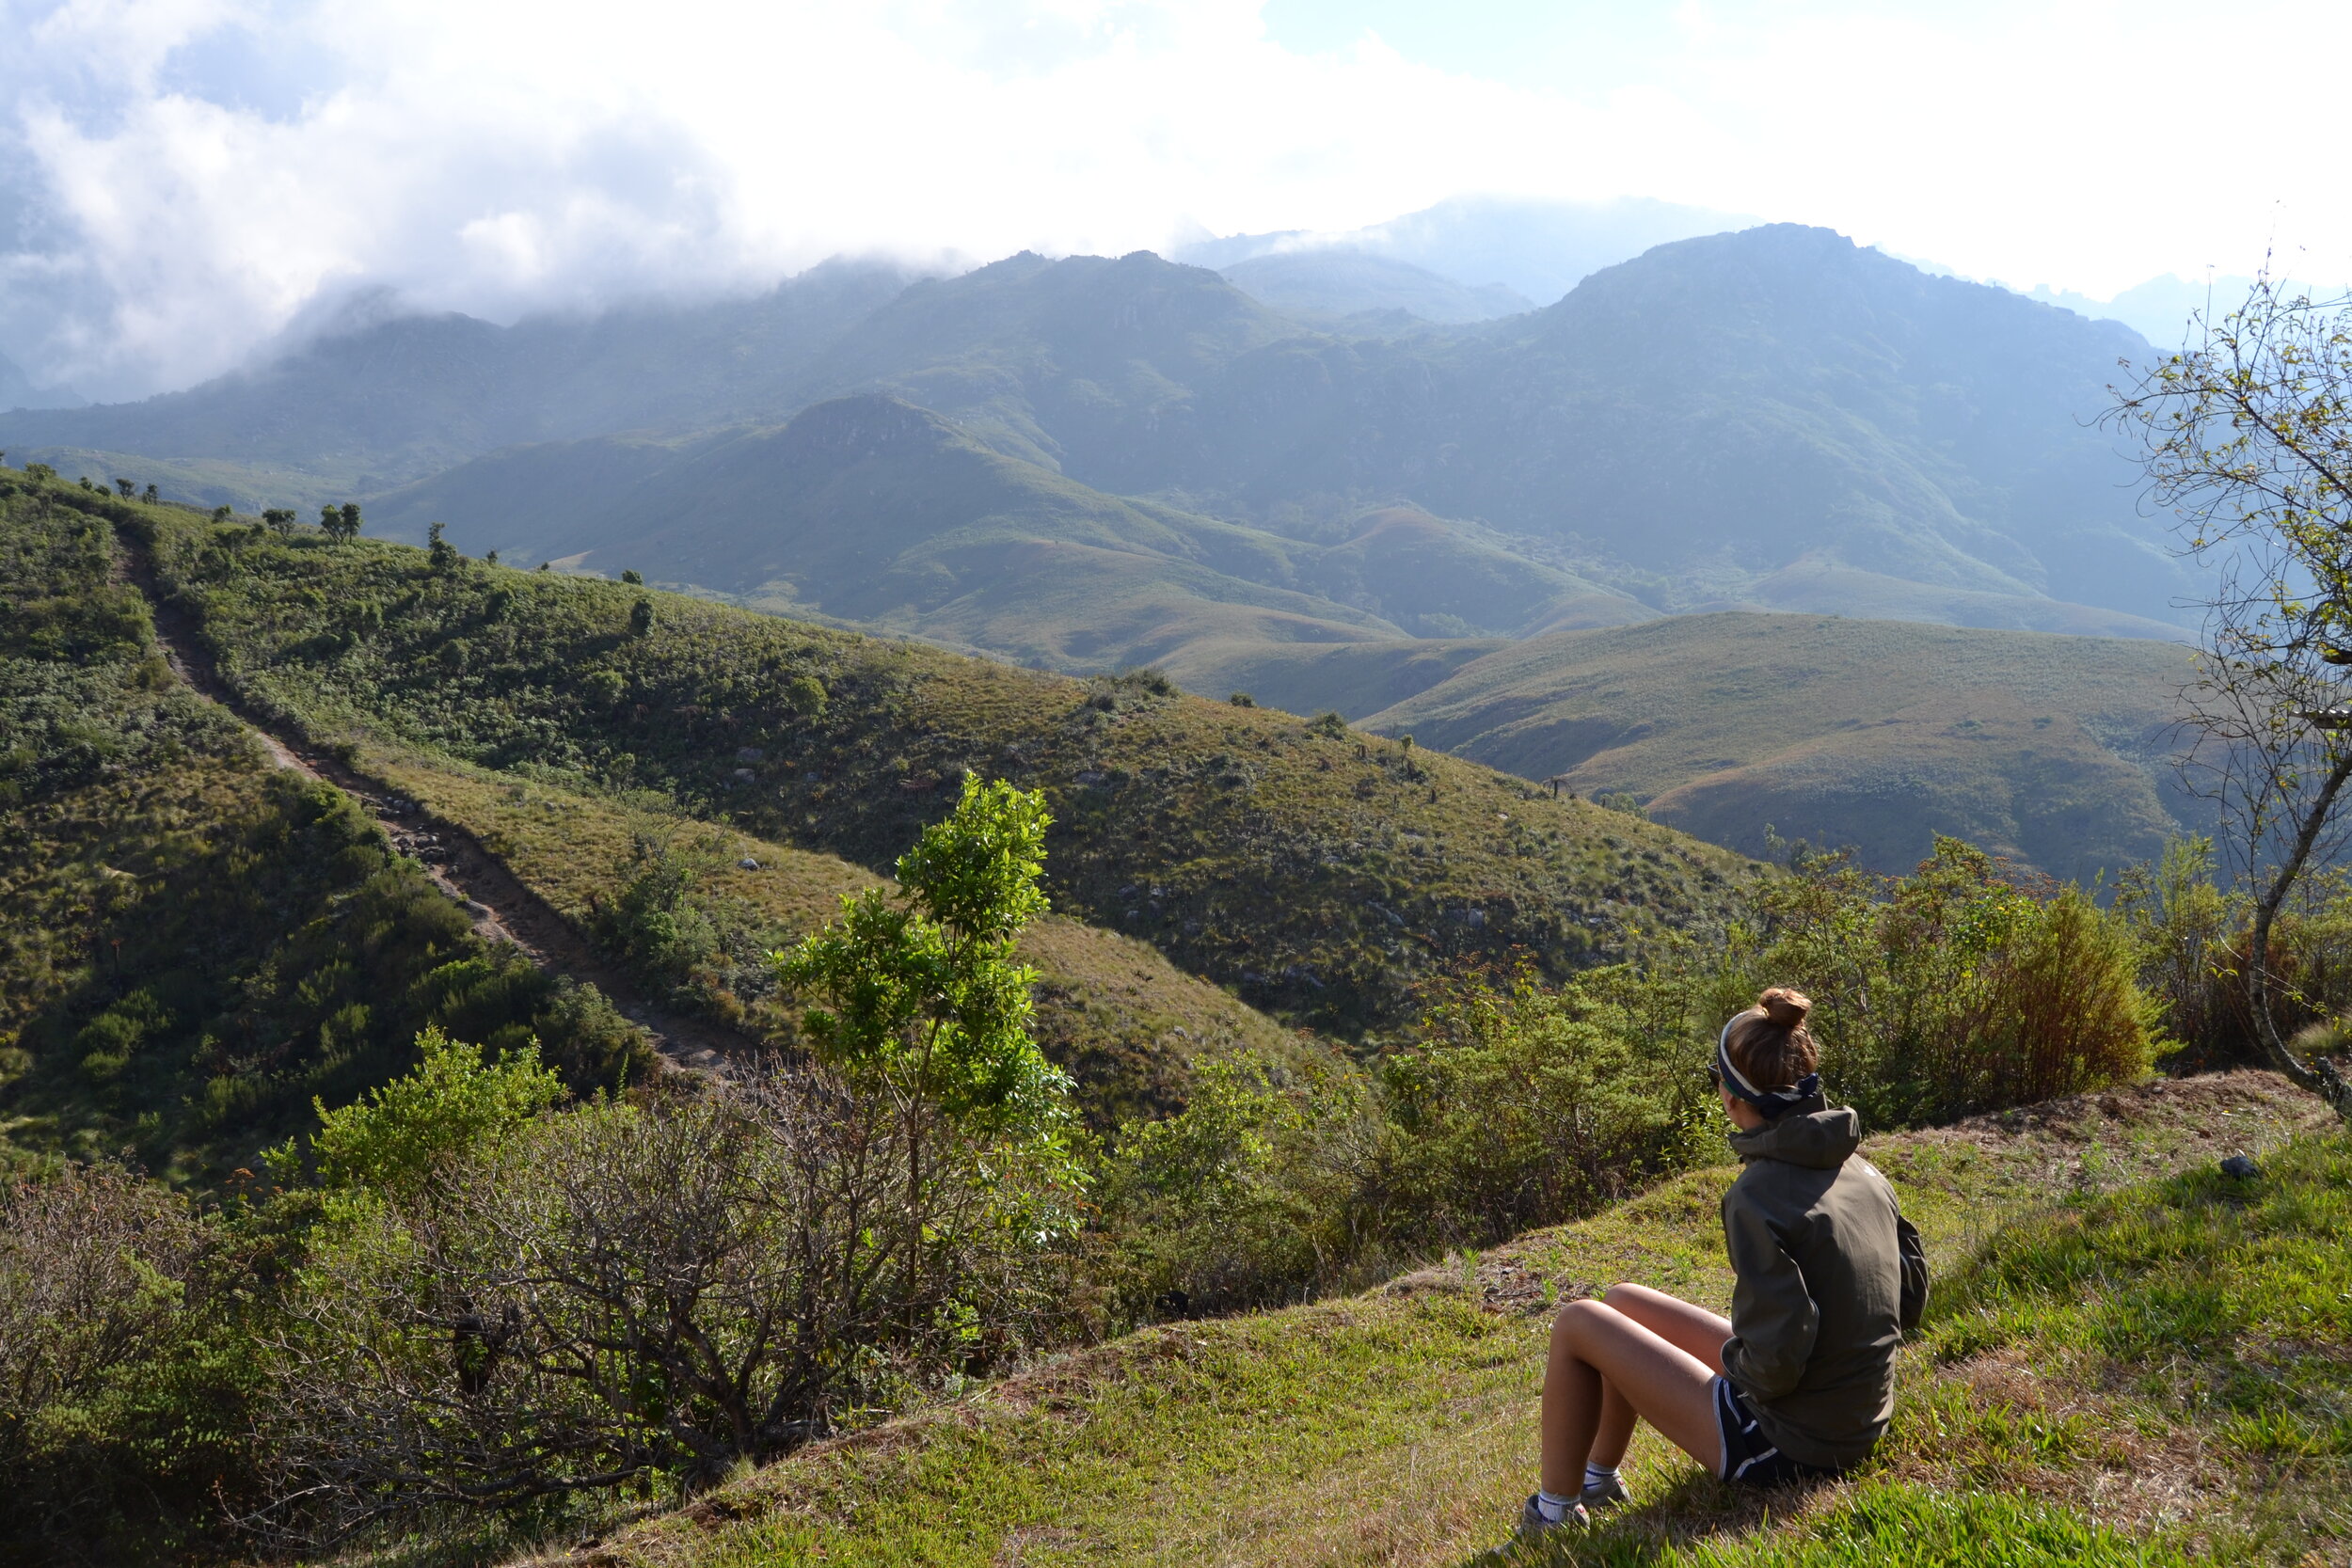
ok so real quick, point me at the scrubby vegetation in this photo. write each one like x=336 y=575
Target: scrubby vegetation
x=1398 y=1426
x=1322 y=872
x=654 y=888
x=1519 y=1103
x=482 y=1284
x=200 y=945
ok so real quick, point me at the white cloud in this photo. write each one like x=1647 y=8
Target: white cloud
x=189 y=176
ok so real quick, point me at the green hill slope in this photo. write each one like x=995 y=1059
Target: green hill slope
x=203 y=939
x=199 y=943
x=2054 y=750
x=1399 y=1427
x=1322 y=873
x=1127 y=1025
x=870 y=510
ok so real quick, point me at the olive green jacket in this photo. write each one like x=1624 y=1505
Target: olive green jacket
x=1829 y=1276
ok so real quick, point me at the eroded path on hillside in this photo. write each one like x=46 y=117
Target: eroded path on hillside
x=501 y=908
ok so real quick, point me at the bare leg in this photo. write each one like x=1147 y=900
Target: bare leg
x=1676 y=1322
x=1596 y=1352
x=1616 y=1430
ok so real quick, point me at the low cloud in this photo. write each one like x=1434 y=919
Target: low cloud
x=184 y=180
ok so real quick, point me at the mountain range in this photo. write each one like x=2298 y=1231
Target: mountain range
x=1092 y=461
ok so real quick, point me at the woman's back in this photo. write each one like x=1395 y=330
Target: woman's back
x=1815 y=1240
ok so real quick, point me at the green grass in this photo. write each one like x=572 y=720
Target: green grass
x=1125 y=1022
x=1397 y=1427
x=197 y=944
x=1324 y=874
x=2053 y=751
x=1890 y=1525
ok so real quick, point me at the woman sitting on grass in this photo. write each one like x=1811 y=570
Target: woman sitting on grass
x=1828 y=1273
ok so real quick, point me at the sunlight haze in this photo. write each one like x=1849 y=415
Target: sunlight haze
x=184 y=179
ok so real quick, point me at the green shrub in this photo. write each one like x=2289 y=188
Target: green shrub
x=504 y=1304
x=127 y=1381
x=1258 y=1192
x=1952 y=991
x=1522 y=1105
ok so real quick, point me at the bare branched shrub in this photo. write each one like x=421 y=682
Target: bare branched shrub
x=639 y=1295
x=2245 y=437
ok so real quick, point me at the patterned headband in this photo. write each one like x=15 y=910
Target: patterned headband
x=1773 y=1103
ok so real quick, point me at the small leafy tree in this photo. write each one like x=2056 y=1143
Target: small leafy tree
x=438 y=552
x=920 y=1001
x=150 y=496
x=640 y=618
x=279 y=518
x=128 y=487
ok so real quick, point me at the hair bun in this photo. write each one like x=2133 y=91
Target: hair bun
x=1785 y=1008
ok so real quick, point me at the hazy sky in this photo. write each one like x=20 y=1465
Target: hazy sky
x=180 y=180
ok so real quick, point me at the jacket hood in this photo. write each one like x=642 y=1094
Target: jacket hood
x=1813 y=1135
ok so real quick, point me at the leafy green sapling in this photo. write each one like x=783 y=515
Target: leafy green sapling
x=920 y=1002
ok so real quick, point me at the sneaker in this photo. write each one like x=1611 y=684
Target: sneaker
x=1532 y=1520
x=1609 y=1493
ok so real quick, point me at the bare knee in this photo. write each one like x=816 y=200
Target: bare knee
x=1571 y=1319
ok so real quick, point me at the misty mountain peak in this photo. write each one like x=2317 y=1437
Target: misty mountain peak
x=864 y=425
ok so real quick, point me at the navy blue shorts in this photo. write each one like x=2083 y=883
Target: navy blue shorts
x=1751 y=1458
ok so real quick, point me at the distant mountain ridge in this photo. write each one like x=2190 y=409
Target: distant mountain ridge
x=1686 y=427
x=1345 y=283
x=1095 y=462
x=400 y=399
x=1538 y=250
x=870 y=510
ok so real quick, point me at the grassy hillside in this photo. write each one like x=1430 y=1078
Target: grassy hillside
x=1323 y=873
x=870 y=510
x=2054 y=750
x=1124 y=1022
x=198 y=943
x=203 y=942
x=2079 y=1248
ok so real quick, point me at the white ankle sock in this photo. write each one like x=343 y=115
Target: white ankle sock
x=1552 y=1509
x=1598 y=1475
